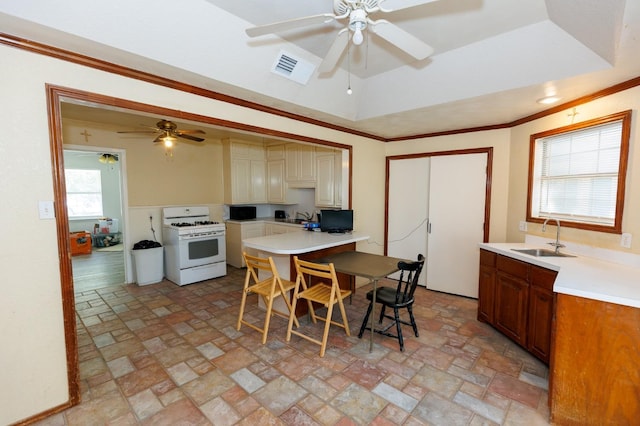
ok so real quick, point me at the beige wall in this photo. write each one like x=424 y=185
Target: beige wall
x=153 y=178
x=33 y=374
x=519 y=161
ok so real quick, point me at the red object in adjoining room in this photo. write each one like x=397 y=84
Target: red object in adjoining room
x=80 y=243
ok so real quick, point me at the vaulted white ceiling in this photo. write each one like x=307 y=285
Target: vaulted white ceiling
x=492 y=58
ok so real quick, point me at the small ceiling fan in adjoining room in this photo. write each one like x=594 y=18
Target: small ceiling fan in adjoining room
x=169 y=133
x=356 y=15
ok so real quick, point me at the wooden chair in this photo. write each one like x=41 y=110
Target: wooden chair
x=327 y=292
x=269 y=289
x=396 y=298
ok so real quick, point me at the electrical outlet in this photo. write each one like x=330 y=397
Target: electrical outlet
x=523 y=226
x=625 y=240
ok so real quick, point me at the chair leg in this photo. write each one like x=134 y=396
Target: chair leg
x=365 y=321
x=242 y=305
x=413 y=320
x=345 y=322
x=325 y=333
x=381 y=313
x=292 y=316
x=396 y=315
x=269 y=302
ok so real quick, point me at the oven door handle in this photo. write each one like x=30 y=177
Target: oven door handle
x=202 y=236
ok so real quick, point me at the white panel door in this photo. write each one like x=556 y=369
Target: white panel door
x=456 y=222
x=408 y=209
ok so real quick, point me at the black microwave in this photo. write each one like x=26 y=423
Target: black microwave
x=242 y=212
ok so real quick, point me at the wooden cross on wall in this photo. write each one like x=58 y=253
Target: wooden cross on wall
x=86 y=135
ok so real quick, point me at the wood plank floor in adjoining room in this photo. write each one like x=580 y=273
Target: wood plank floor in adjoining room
x=97 y=270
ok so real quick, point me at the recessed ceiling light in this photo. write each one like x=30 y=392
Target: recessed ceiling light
x=548 y=100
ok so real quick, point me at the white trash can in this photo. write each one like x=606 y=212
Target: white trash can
x=148 y=265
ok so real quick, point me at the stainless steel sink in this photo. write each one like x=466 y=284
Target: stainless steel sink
x=542 y=252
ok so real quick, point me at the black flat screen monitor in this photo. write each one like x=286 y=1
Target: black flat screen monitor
x=336 y=221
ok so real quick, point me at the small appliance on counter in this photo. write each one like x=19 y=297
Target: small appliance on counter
x=280 y=214
x=242 y=212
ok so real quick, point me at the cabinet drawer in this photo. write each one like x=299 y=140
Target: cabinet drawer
x=514 y=267
x=487 y=258
x=542 y=277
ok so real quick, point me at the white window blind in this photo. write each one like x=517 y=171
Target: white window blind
x=577 y=175
x=84 y=193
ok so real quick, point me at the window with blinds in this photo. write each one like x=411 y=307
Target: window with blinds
x=578 y=173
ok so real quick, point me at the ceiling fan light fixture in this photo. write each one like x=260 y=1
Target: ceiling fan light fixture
x=168 y=141
x=357 y=37
x=358 y=23
x=108 y=158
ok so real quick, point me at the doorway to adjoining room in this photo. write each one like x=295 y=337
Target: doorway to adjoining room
x=93 y=182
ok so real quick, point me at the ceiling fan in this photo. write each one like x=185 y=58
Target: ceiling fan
x=357 y=13
x=169 y=133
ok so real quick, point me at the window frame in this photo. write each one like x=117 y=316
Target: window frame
x=86 y=217
x=625 y=118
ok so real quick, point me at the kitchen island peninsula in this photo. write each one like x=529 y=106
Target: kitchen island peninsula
x=307 y=246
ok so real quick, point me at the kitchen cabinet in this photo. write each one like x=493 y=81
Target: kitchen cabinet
x=487 y=285
x=594 y=376
x=235 y=233
x=511 y=298
x=541 y=311
x=276 y=185
x=244 y=166
x=276 y=152
x=301 y=165
x=328 y=178
x=517 y=299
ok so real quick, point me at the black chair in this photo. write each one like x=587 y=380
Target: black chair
x=396 y=299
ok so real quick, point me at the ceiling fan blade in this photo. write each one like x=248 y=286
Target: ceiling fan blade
x=147 y=132
x=191 y=138
x=201 y=132
x=335 y=52
x=393 y=5
x=289 y=25
x=401 y=39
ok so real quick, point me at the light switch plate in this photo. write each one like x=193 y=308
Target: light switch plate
x=45 y=209
x=523 y=226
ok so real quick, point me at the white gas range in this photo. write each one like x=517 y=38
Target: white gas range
x=194 y=246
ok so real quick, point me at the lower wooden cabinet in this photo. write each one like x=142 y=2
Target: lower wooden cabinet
x=517 y=299
x=487 y=285
x=235 y=233
x=510 y=303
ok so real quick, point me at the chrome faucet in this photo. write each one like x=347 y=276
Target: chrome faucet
x=557 y=244
x=305 y=215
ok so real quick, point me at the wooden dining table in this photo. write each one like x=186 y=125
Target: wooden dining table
x=368 y=265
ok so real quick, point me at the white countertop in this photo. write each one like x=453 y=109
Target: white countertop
x=266 y=220
x=582 y=276
x=301 y=242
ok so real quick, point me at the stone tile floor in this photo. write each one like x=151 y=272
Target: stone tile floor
x=168 y=355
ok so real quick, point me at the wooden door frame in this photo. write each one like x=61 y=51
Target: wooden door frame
x=487 y=199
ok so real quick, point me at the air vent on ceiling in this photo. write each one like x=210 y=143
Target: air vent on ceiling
x=293 y=68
